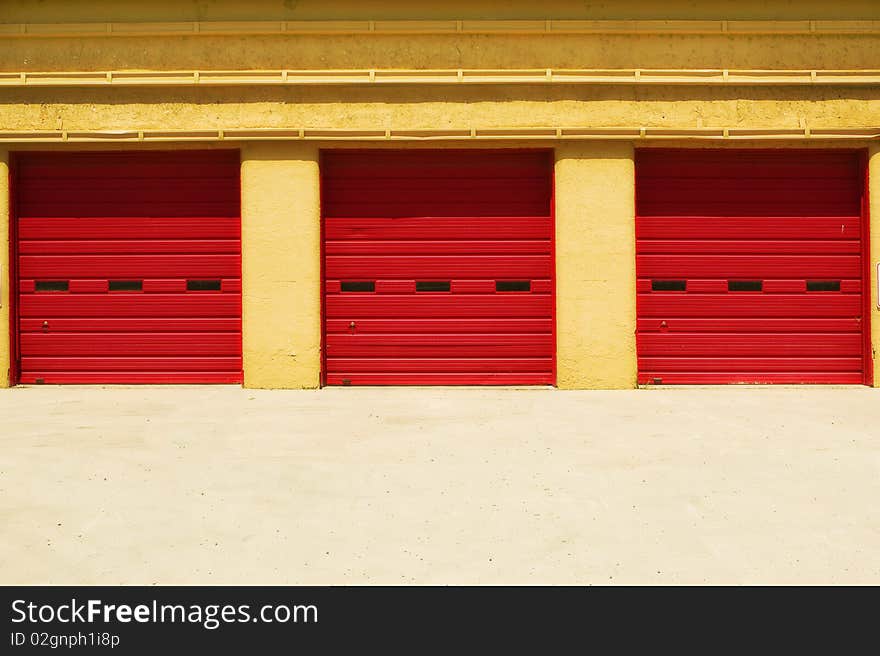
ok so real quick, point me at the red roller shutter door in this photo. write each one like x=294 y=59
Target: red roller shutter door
x=438 y=267
x=128 y=267
x=751 y=267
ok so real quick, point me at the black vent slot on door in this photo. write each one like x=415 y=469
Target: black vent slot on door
x=432 y=286
x=823 y=285
x=126 y=285
x=203 y=285
x=358 y=286
x=513 y=285
x=745 y=285
x=51 y=285
x=668 y=285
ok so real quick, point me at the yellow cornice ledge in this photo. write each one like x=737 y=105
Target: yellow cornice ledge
x=440 y=77
x=440 y=134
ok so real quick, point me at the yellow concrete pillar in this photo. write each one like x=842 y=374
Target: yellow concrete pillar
x=281 y=268
x=874 y=251
x=595 y=266
x=5 y=291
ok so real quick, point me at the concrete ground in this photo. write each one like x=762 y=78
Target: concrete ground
x=357 y=485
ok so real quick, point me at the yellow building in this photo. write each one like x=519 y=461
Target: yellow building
x=291 y=194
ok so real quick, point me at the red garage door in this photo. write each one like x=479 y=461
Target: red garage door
x=128 y=267
x=751 y=267
x=438 y=267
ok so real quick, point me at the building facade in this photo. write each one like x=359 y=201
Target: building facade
x=296 y=194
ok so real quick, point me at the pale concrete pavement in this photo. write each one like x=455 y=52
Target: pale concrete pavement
x=224 y=485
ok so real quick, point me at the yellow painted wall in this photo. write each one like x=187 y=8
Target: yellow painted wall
x=442 y=51
x=407 y=107
x=281 y=273
x=473 y=51
x=4 y=268
x=52 y=11
x=595 y=266
x=874 y=228
x=437 y=107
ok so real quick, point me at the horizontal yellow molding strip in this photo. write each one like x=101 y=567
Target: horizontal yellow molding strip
x=463 y=134
x=440 y=76
x=189 y=28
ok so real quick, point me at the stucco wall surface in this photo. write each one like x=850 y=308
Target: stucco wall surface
x=874 y=229
x=281 y=270
x=437 y=107
x=595 y=266
x=427 y=51
x=176 y=10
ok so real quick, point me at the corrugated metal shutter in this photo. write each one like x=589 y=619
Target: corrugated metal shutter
x=129 y=267
x=438 y=267
x=750 y=267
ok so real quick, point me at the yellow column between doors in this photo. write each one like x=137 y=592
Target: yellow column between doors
x=5 y=291
x=874 y=250
x=595 y=266
x=281 y=269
